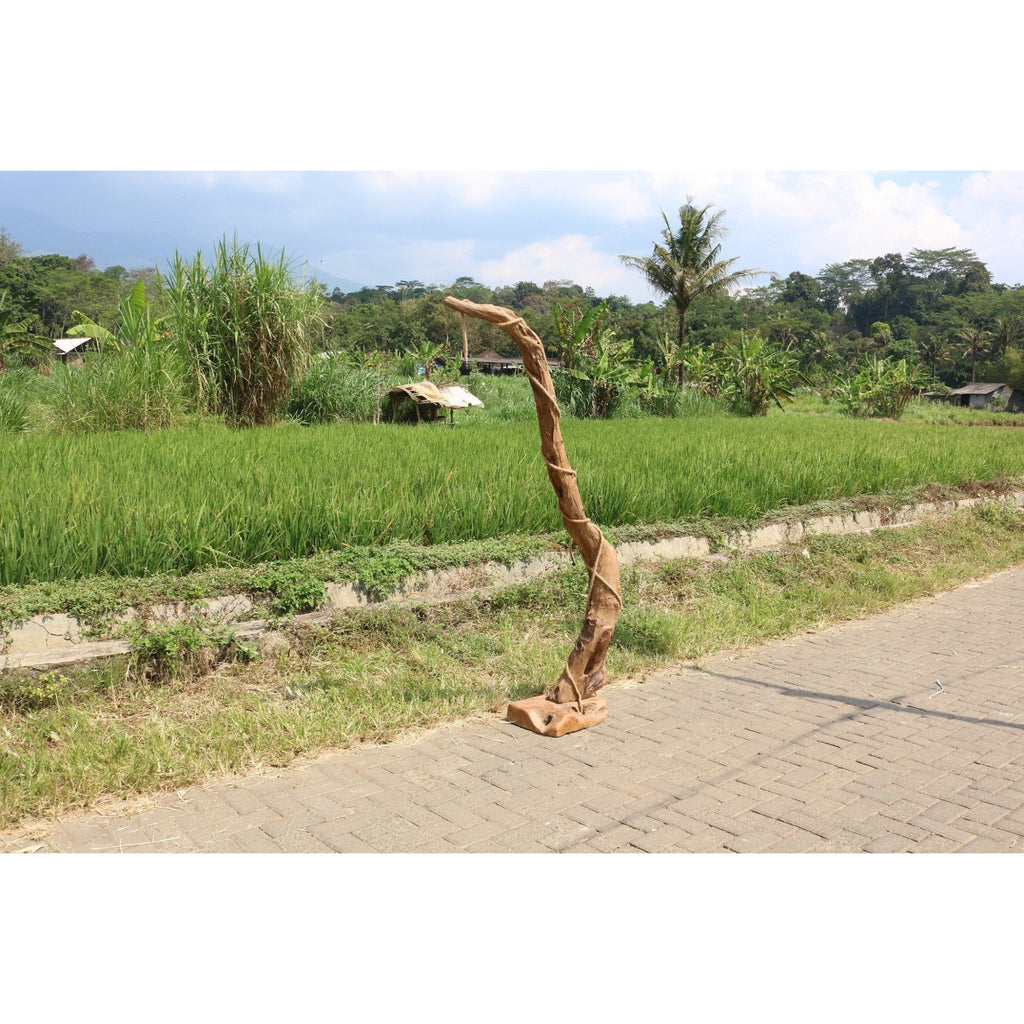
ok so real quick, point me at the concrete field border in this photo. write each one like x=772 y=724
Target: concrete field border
x=46 y=642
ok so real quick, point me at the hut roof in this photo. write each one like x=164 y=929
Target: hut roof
x=67 y=345
x=448 y=396
x=492 y=357
x=977 y=389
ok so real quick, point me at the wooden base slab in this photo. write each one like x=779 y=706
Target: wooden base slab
x=538 y=714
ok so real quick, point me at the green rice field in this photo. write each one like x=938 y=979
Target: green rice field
x=131 y=504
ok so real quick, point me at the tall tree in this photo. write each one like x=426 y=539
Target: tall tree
x=9 y=248
x=934 y=349
x=841 y=283
x=976 y=341
x=947 y=271
x=1008 y=331
x=689 y=262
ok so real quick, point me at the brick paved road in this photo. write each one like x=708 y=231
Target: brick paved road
x=843 y=740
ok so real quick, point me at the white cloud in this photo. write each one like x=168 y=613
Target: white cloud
x=465 y=188
x=570 y=257
x=990 y=209
x=376 y=261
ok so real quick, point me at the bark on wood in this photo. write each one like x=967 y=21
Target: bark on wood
x=584 y=672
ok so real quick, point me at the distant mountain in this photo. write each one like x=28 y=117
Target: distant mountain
x=329 y=281
x=40 y=236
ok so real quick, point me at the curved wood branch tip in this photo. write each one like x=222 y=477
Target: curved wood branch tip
x=584 y=672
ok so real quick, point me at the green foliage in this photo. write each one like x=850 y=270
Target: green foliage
x=14 y=418
x=882 y=388
x=754 y=374
x=1000 y=514
x=185 y=650
x=139 y=387
x=135 y=323
x=23 y=694
x=19 y=345
x=246 y=328
x=426 y=356
x=289 y=589
x=336 y=389
x=688 y=263
x=597 y=368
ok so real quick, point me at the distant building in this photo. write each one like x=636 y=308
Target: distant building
x=491 y=362
x=69 y=350
x=982 y=396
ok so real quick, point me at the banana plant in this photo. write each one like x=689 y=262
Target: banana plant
x=756 y=374
x=135 y=324
x=596 y=365
x=16 y=336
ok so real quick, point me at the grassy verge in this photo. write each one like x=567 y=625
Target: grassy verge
x=192 y=709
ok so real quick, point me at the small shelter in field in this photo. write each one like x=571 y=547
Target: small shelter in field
x=426 y=400
x=983 y=396
x=493 y=363
x=69 y=350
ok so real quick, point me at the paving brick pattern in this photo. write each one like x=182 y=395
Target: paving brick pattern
x=902 y=732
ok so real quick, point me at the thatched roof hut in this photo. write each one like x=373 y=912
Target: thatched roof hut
x=427 y=399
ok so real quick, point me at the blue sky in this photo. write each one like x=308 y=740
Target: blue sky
x=378 y=227
x=442 y=141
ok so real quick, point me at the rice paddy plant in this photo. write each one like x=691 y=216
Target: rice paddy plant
x=504 y=398
x=14 y=418
x=246 y=328
x=23 y=399
x=130 y=504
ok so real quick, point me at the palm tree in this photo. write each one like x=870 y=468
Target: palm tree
x=934 y=350
x=821 y=351
x=1008 y=330
x=976 y=341
x=688 y=264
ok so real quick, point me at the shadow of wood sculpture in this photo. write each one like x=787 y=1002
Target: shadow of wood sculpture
x=571 y=705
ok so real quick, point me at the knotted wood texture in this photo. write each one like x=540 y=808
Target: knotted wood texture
x=584 y=672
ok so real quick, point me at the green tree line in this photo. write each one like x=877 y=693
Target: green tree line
x=937 y=309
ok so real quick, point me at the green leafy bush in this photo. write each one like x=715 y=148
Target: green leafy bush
x=185 y=650
x=754 y=373
x=882 y=388
x=31 y=693
x=598 y=369
x=290 y=589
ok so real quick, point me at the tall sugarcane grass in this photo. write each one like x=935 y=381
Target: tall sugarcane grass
x=245 y=328
x=134 y=504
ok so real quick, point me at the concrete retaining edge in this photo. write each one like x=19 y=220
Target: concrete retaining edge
x=47 y=642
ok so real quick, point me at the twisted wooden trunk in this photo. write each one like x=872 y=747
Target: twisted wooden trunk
x=571 y=704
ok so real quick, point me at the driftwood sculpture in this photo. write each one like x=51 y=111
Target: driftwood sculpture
x=572 y=704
